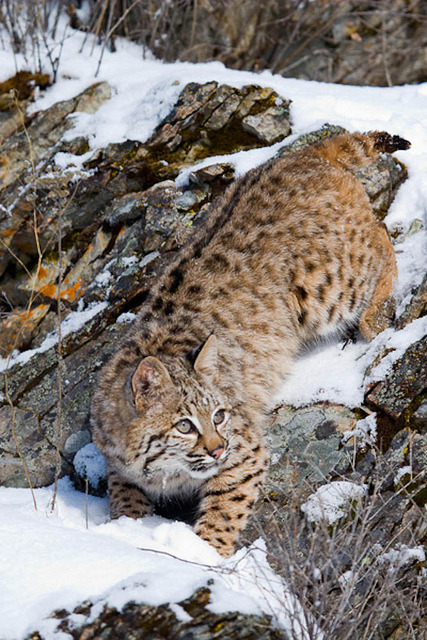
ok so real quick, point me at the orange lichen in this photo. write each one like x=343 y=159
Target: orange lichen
x=17 y=329
x=48 y=290
x=41 y=272
x=73 y=292
x=67 y=293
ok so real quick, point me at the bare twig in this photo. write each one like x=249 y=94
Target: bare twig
x=60 y=363
x=18 y=448
x=112 y=29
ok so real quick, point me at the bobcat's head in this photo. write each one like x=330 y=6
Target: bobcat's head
x=166 y=418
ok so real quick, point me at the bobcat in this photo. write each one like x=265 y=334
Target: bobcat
x=289 y=252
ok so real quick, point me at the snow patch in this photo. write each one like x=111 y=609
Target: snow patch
x=90 y=463
x=104 y=278
x=58 y=560
x=127 y=318
x=403 y=471
x=402 y=555
x=333 y=372
x=331 y=502
x=180 y=612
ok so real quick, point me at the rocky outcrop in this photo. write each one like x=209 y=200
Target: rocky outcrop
x=142 y=621
x=94 y=238
x=81 y=246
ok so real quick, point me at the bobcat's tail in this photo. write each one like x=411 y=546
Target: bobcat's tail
x=353 y=151
x=383 y=141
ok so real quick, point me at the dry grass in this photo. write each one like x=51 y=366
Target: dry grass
x=349 y=578
x=291 y=37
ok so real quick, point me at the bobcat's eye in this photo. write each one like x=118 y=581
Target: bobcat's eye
x=219 y=416
x=185 y=426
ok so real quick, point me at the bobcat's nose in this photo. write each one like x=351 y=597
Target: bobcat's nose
x=217 y=452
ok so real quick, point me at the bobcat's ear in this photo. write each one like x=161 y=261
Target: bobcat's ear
x=206 y=361
x=150 y=377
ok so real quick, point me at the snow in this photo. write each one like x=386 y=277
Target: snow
x=334 y=372
x=129 y=261
x=332 y=501
x=365 y=431
x=57 y=558
x=90 y=463
x=70 y=161
x=401 y=555
x=128 y=317
x=104 y=278
x=402 y=472
x=148 y=258
x=180 y=612
x=242 y=160
x=50 y=559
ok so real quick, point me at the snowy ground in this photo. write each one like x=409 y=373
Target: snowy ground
x=56 y=559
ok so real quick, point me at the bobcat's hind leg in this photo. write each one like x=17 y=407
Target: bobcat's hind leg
x=126 y=499
x=381 y=308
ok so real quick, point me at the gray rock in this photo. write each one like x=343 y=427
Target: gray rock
x=26 y=457
x=326 y=131
x=417 y=308
x=401 y=392
x=162 y=216
x=20 y=188
x=47 y=127
x=220 y=118
x=222 y=171
x=419 y=417
x=305 y=445
x=124 y=210
x=36 y=427
x=381 y=181
x=270 y=126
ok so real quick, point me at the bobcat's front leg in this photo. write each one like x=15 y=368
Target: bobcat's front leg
x=228 y=498
x=126 y=499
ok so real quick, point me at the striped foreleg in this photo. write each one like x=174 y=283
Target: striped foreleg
x=229 y=497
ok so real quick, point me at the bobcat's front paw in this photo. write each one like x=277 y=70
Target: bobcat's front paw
x=221 y=539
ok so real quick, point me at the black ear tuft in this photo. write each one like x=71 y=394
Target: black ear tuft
x=191 y=356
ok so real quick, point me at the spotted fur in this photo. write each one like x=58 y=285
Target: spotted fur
x=289 y=252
